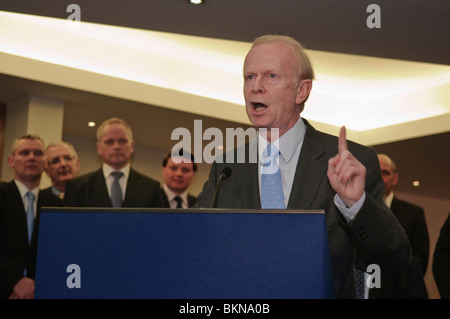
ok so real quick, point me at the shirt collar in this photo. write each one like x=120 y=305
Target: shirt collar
x=107 y=170
x=388 y=199
x=288 y=142
x=171 y=195
x=23 y=190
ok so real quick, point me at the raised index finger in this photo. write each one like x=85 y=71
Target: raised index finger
x=342 y=141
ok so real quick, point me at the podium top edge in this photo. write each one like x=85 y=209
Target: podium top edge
x=175 y=210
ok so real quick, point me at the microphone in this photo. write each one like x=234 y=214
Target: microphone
x=226 y=172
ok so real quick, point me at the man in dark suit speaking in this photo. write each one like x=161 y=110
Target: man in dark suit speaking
x=115 y=184
x=317 y=171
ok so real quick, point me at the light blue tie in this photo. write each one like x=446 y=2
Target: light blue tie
x=271 y=183
x=116 y=190
x=30 y=214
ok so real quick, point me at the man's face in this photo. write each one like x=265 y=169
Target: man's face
x=115 y=146
x=28 y=161
x=178 y=177
x=272 y=89
x=389 y=177
x=61 y=164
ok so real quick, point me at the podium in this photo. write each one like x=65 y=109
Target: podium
x=103 y=253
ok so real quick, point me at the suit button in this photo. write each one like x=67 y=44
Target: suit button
x=362 y=234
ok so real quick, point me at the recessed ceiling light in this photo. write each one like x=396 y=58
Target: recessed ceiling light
x=416 y=183
x=91 y=124
x=195 y=1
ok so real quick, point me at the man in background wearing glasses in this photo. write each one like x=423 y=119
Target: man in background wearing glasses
x=62 y=164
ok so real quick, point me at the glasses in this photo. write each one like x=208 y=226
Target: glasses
x=57 y=160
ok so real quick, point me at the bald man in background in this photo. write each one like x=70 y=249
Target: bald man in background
x=410 y=216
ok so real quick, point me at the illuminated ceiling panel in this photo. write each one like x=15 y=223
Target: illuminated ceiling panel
x=204 y=76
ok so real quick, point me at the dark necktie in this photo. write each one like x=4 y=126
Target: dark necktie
x=179 y=201
x=116 y=190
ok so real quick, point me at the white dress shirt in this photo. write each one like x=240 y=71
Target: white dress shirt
x=109 y=179
x=23 y=190
x=290 y=145
x=171 y=195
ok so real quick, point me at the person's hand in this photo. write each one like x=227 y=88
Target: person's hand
x=23 y=289
x=346 y=174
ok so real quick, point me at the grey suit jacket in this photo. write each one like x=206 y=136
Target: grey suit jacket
x=90 y=190
x=373 y=236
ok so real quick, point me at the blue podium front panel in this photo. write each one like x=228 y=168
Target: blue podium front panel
x=178 y=254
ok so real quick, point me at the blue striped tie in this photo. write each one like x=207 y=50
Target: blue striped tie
x=271 y=183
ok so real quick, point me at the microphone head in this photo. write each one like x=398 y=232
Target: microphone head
x=226 y=172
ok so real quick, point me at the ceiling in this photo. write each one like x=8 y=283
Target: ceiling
x=411 y=30
x=416 y=30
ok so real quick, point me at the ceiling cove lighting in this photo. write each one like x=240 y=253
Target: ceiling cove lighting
x=203 y=76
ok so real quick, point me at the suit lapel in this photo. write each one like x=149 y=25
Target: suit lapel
x=250 y=187
x=99 y=190
x=247 y=187
x=310 y=170
x=17 y=204
x=133 y=188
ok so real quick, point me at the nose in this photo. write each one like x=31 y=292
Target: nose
x=258 y=86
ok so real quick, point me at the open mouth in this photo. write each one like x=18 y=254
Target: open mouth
x=259 y=106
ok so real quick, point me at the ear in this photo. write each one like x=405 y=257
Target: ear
x=77 y=165
x=303 y=91
x=11 y=161
x=395 y=180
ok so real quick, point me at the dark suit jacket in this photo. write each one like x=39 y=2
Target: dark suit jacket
x=441 y=260
x=165 y=201
x=16 y=254
x=90 y=190
x=409 y=284
x=412 y=218
x=373 y=236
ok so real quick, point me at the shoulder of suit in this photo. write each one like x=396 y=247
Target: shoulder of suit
x=3 y=185
x=143 y=178
x=46 y=191
x=47 y=198
x=81 y=179
x=405 y=204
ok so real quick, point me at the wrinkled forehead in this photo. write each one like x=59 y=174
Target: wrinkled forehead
x=270 y=55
